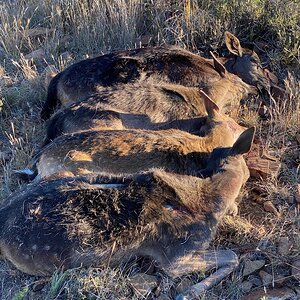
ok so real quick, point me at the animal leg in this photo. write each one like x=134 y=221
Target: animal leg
x=224 y=261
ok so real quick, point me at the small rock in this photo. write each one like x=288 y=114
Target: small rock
x=255 y=280
x=284 y=245
x=143 y=283
x=246 y=286
x=271 y=294
x=252 y=266
x=266 y=278
x=260 y=164
x=279 y=280
x=36 y=54
x=269 y=207
x=296 y=269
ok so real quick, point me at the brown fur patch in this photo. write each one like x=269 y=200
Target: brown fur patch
x=75 y=155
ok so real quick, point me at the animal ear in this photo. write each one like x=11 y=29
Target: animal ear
x=211 y=107
x=244 y=142
x=219 y=67
x=233 y=44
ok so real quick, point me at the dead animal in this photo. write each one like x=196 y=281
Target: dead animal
x=151 y=110
x=159 y=64
x=245 y=63
x=106 y=220
x=132 y=150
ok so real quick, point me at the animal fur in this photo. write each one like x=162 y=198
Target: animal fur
x=158 y=64
x=130 y=151
x=190 y=113
x=65 y=223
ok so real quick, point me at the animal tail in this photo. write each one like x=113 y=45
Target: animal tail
x=52 y=99
x=26 y=174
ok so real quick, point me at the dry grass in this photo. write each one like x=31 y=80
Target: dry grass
x=72 y=30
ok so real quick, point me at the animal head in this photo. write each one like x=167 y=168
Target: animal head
x=245 y=63
x=219 y=123
x=231 y=158
x=230 y=89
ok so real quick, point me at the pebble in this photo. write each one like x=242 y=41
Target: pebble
x=252 y=266
x=284 y=245
x=266 y=278
x=246 y=286
x=255 y=280
x=279 y=280
x=271 y=294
